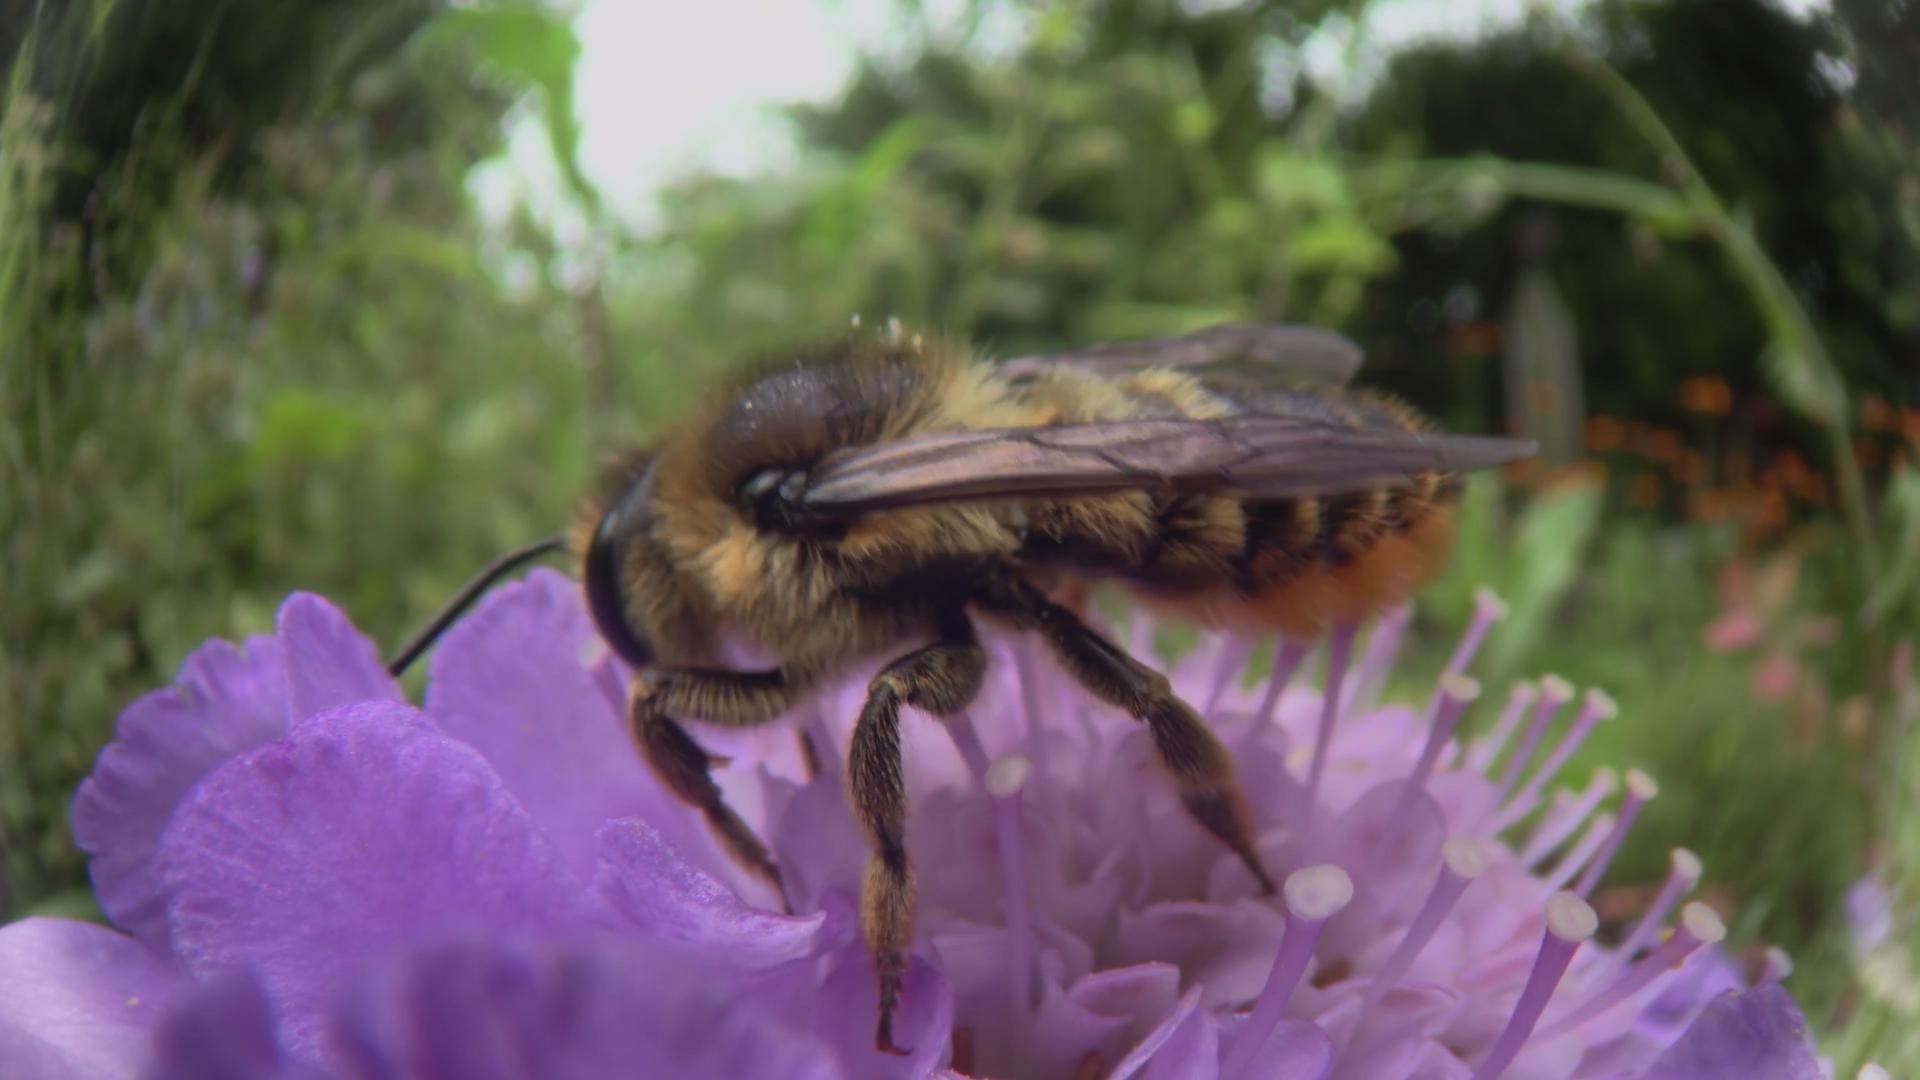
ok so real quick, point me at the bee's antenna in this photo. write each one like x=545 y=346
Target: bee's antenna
x=494 y=571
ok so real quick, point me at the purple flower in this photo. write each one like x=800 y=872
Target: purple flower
x=316 y=879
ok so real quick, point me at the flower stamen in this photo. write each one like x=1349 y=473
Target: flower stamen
x=1383 y=647
x=1698 y=926
x=1577 y=856
x=966 y=740
x=1004 y=780
x=1597 y=707
x=1561 y=822
x=1339 y=651
x=1683 y=874
x=1313 y=896
x=1481 y=758
x=1641 y=789
x=1462 y=859
x=1775 y=966
x=1456 y=693
x=1570 y=922
x=1488 y=609
x=1287 y=658
x=1554 y=693
x=1228 y=665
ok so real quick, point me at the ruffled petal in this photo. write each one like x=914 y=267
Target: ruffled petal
x=364 y=831
x=1756 y=1035
x=644 y=884
x=226 y=701
x=509 y=681
x=587 y=1011
x=329 y=662
x=225 y=1032
x=79 y=1001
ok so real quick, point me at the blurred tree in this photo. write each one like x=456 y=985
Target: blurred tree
x=1758 y=98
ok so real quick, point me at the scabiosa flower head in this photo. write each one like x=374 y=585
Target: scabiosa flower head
x=314 y=878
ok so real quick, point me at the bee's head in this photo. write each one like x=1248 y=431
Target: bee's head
x=627 y=522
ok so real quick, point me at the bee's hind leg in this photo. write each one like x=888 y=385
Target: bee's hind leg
x=736 y=699
x=1200 y=765
x=941 y=679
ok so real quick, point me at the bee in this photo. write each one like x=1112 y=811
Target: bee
x=879 y=490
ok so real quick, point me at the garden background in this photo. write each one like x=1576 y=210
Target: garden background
x=267 y=323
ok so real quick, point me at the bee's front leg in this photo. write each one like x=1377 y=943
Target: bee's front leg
x=736 y=699
x=941 y=679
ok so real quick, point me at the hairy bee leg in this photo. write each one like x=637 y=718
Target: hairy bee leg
x=723 y=698
x=1200 y=764
x=941 y=679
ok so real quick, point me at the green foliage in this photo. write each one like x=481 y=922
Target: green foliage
x=302 y=375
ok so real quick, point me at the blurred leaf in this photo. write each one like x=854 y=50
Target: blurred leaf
x=1548 y=550
x=533 y=45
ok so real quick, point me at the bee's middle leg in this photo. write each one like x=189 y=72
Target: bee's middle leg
x=1199 y=762
x=736 y=699
x=941 y=679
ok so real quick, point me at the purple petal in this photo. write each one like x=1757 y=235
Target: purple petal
x=78 y=1000
x=329 y=663
x=363 y=831
x=1756 y=1035
x=1191 y=1053
x=225 y=1032
x=225 y=702
x=1106 y=1012
x=509 y=681
x=836 y=998
x=643 y=881
x=1181 y=1054
x=1293 y=1050
x=588 y=1011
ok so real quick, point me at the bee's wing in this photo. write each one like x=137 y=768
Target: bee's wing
x=1254 y=455
x=1269 y=354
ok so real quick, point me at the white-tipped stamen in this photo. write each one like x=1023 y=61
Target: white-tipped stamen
x=1287 y=658
x=1488 y=609
x=1339 y=651
x=1005 y=779
x=1641 y=789
x=1598 y=706
x=1519 y=699
x=1683 y=873
x=1570 y=922
x=1313 y=896
x=1462 y=859
x=966 y=739
x=1039 y=738
x=1228 y=665
x=1775 y=966
x=1006 y=776
x=1456 y=693
x=1566 y=818
x=1577 y=856
x=1554 y=693
x=1383 y=646
x=1873 y=1070
x=1698 y=926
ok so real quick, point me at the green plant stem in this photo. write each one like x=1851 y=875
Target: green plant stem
x=1787 y=321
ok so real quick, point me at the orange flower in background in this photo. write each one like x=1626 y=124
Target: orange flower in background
x=1876 y=414
x=1604 y=433
x=1708 y=395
